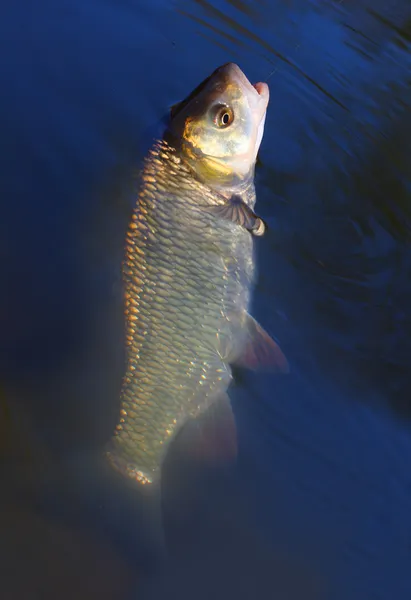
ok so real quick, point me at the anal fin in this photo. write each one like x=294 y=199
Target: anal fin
x=261 y=352
x=211 y=438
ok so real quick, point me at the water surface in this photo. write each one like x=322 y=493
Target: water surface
x=318 y=505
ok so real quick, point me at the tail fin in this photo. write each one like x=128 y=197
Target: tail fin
x=132 y=515
x=89 y=492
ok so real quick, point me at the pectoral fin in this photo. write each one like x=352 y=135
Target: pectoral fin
x=261 y=352
x=238 y=212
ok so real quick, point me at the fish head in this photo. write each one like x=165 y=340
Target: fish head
x=219 y=127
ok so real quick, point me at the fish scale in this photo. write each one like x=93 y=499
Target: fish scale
x=185 y=272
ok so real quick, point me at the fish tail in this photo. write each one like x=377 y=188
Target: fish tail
x=131 y=515
x=86 y=492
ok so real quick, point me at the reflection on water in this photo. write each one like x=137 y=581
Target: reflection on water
x=320 y=498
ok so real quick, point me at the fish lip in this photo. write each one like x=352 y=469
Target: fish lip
x=262 y=89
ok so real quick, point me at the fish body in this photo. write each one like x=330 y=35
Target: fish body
x=188 y=271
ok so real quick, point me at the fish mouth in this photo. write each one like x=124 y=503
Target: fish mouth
x=262 y=89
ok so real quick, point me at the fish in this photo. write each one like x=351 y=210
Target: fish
x=189 y=271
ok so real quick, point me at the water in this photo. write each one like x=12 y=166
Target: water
x=318 y=506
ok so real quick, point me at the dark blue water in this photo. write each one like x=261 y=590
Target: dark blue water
x=319 y=503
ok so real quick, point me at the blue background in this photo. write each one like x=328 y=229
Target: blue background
x=319 y=503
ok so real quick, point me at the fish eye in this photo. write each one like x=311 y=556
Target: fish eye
x=222 y=116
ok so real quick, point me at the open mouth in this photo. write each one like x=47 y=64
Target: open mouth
x=261 y=88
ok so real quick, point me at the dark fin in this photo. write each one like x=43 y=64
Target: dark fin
x=237 y=211
x=203 y=453
x=261 y=352
x=211 y=438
